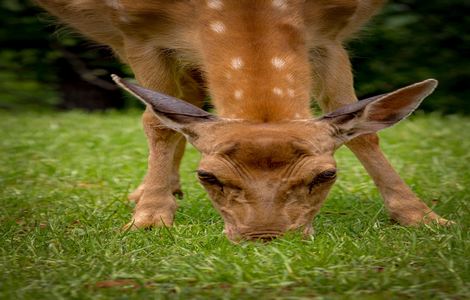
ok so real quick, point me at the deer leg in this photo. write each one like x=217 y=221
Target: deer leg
x=334 y=88
x=175 y=186
x=155 y=201
x=155 y=204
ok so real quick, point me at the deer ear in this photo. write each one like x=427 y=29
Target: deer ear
x=173 y=112
x=379 y=112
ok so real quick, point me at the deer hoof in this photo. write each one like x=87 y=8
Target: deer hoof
x=158 y=220
x=421 y=218
x=148 y=217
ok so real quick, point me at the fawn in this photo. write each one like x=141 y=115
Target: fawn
x=266 y=164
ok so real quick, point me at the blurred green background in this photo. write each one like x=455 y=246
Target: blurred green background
x=44 y=66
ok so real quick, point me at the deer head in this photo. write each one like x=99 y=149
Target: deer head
x=269 y=178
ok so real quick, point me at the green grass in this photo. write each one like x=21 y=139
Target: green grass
x=64 y=178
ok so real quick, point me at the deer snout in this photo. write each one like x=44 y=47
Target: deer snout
x=269 y=235
x=237 y=234
x=262 y=236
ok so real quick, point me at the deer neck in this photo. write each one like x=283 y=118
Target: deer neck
x=256 y=60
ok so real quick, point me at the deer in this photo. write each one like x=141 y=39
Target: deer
x=267 y=163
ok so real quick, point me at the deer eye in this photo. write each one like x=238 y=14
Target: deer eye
x=208 y=178
x=325 y=176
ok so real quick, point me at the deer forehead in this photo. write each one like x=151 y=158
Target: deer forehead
x=265 y=153
x=268 y=148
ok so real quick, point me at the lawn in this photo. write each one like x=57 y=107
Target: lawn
x=64 y=179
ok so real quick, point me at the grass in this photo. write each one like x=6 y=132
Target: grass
x=64 y=179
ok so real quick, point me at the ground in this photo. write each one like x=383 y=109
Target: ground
x=64 y=179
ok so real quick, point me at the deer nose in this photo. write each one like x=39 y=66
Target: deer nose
x=263 y=236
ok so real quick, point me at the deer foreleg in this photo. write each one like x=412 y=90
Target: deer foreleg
x=155 y=202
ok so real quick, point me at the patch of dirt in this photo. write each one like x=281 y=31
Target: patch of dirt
x=125 y=283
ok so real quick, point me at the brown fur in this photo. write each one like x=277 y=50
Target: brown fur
x=261 y=62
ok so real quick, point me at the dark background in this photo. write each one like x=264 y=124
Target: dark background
x=44 y=66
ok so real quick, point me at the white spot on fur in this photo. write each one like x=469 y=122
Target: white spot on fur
x=215 y=4
x=238 y=94
x=124 y=18
x=217 y=26
x=116 y=4
x=237 y=63
x=281 y=4
x=278 y=62
x=297 y=116
x=290 y=92
x=278 y=91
